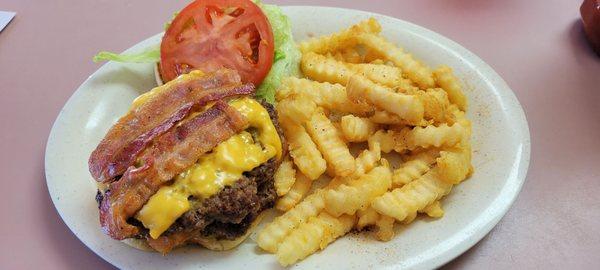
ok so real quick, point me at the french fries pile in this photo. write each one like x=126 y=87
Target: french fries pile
x=359 y=88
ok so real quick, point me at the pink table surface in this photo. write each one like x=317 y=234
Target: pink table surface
x=536 y=46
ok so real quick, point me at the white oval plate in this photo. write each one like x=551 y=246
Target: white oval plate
x=501 y=147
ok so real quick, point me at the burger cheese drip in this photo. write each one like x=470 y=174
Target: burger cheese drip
x=216 y=170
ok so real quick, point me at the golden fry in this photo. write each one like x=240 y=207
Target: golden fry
x=320 y=68
x=414 y=168
x=328 y=69
x=455 y=115
x=454 y=165
x=407 y=107
x=436 y=103
x=333 y=42
x=274 y=233
x=303 y=150
x=387 y=118
x=366 y=218
x=356 y=129
x=385 y=228
x=296 y=108
x=367 y=160
x=295 y=194
x=284 y=178
x=382 y=74
x=443 y=135
x=330 y=143
x=332 y=97
x=404 y=202
x=445 y=79
x=434 y=210
x=384 y=138
x=348 y=198
x=413 y=69
x=309 y=237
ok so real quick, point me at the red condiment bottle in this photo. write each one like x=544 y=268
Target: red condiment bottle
x=590 y=15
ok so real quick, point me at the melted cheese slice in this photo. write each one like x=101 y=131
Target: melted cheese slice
x=216 y=170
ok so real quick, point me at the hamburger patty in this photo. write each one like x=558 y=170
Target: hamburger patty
x=229 y=213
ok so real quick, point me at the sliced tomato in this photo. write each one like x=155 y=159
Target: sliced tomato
x=211 y=34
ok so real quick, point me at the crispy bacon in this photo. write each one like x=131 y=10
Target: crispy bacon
x=133 y=132
x=169 y=155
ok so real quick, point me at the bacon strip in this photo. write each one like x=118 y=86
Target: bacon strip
x=170 y=154
x=134 y=131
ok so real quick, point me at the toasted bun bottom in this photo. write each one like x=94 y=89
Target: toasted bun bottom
x=207 y=242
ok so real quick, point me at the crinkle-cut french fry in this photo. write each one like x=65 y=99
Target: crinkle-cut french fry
x=387 y=118
x=332 y=97
x=320 y=68
x=454 y=165
x=357 y=129
x=382 y=74
x=414 y=168
x=367 y=160
x=314 y=235
x=303 y=150
x=434 y=210
x=445 y=78
x=348 y=198
x=413 y=69
x=330 y=143
x=436 y=103
x=335 y=41
x=366 y=218
x=328 y=69
x=410 y=218
x=443 y=135
x=297 y=108
x=385 y=228
x=385 y=139
x=284 y=178
x=403 y=202
x=407 y=107
x=295 y=194
x=274 y=233
x=455 y=115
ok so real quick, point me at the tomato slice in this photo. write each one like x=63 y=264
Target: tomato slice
x=211 y=34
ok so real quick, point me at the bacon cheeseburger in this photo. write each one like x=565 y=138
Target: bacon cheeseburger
x=192 y=162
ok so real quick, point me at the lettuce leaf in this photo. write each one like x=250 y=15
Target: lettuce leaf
x=150 y=55
x=287 y=55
